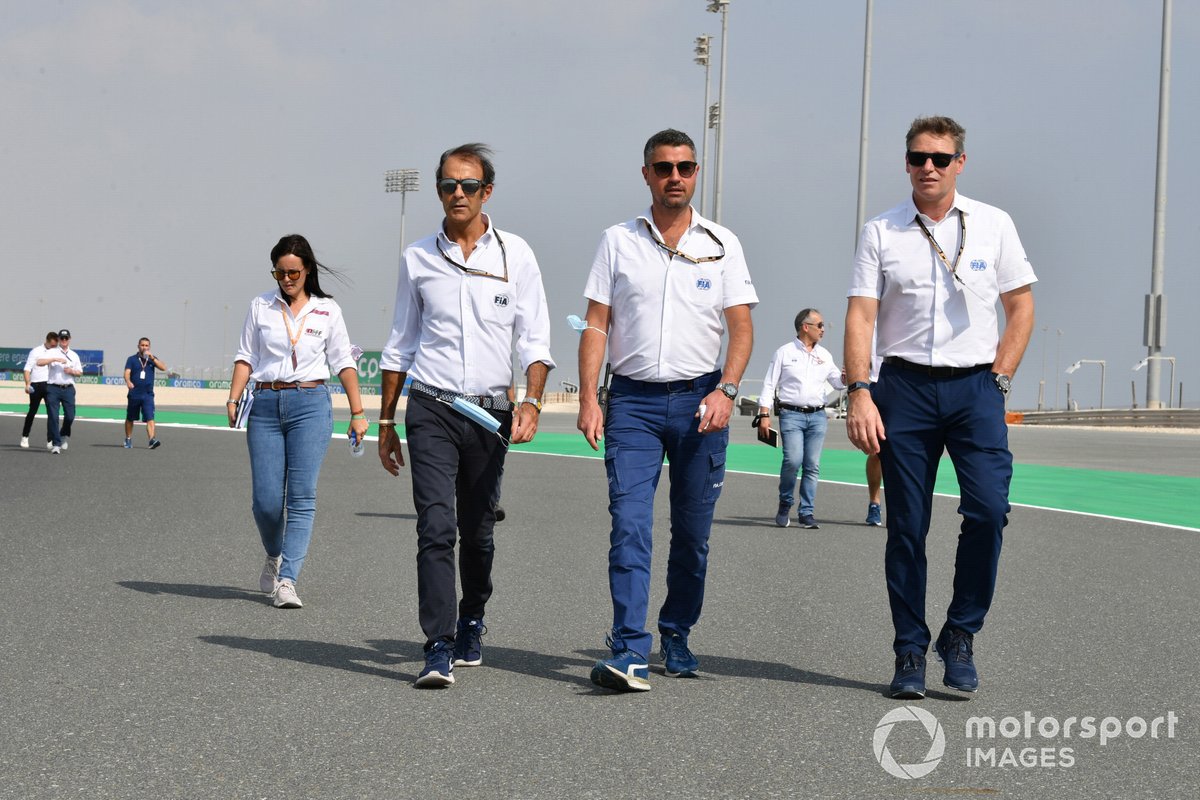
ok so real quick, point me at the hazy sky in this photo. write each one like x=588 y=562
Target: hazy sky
x=151 y=153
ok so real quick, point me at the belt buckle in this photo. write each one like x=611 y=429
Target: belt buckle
x=275 y=385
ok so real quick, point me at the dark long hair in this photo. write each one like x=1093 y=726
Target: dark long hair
x=296 y=245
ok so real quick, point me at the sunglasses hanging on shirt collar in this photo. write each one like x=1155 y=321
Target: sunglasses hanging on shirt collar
x=503 y=254
x=680 y=253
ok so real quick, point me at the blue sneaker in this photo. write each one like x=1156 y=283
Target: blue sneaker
x=468 y=649
x=128 y=444
x=909 y=681
x=953 y=648
x=680 y=663
x=781 y=516
x=439 y=669
x=626 y=671
x=874 y=514
x=807 y=521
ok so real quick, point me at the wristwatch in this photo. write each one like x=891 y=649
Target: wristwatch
x=1003 y=382
x=854 y=387
x=730 y=390
x=535 y=402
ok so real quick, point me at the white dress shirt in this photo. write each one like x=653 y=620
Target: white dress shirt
x=39 y=374
x=666 y=322
x=797 y=375
x=321 y=339
x=453 y=329
x=926 y=316
x=57 y=374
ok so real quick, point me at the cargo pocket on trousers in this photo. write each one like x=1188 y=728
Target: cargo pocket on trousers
x=716 y=476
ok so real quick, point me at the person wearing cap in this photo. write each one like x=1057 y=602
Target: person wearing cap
x=796 y=379
x=292 y=337
x=60 y=393
x=664 y=288
x=464 y=295
x=37 y=371
x=139 y=379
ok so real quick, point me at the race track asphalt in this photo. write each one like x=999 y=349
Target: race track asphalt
x=139 y=661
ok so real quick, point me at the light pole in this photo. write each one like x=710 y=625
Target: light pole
x=1057 y=366
x=1156 y=301
x=183 y=354
x=862 y=128
x=721 y=7
x=1170 y=386
x=1083 y=361
x=402 y=181
x=702 y=50
x=1041 y=393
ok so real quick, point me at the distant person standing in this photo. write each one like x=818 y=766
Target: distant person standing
x=797 y=376
x=928 y=277
x=664 y=288
x=139 y=379
x=292 y=337
x=465 y=295
x=60 y=393
x=37 y=371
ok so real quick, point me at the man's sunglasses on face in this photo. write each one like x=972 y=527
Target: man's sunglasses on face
x=469 y=186
x=663 y=169
x=940 y=160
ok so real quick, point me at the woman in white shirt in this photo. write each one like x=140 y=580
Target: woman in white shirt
x=292 y=336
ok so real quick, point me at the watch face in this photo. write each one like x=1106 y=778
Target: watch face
x=730 y=389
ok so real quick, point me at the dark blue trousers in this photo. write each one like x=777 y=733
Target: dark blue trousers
x=922 y=416
x=646 y=421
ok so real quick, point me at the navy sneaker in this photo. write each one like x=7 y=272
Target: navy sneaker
x=909 y=681
x=953 y=648
x=154 y=444
x=128 y=443
x=468 y=650
x=439 y=669
x=626 y=671
x=807 y=521
x=781 y=516
x=680 y=663
x=874 y=514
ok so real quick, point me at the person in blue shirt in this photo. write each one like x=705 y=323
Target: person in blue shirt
x=139 y=379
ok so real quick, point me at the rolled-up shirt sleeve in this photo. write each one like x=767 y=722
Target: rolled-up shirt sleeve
x=532 y=319
x=402 y=343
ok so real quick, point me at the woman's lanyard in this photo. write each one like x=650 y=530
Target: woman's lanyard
x=962 y=242
x=293 y=338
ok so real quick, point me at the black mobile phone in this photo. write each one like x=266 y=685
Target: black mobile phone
x=771 y=437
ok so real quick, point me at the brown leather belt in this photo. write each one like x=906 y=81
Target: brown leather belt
x=277 y=385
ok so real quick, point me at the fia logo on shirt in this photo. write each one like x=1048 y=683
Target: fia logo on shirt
x=978 y=265
x=704 y=284
x=500 y=300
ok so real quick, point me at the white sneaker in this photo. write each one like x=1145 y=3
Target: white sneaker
x=269 y=578
x=285 y=596
x=25 y=442
x=49 y=445
x=55 y=451
x=66 y=442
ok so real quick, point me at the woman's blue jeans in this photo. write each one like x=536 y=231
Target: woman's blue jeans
x=803 y=438
x=288 y=434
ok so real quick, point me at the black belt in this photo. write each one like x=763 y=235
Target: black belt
x=62 y=385
x=934 y=372
x=277 y=385
x=486 y=402
x=802 y=409
x=663 y=387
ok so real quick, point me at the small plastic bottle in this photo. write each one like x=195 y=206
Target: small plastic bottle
x=357 y=447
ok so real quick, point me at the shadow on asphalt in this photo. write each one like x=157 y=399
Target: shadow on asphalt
x=324 y=654
x=384 y=516
x=194 y=590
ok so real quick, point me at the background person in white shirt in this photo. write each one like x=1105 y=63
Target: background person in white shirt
x=928 y=278
x=797 y=376
x=60 y=393
x=292 y=337
x=462 y=295
x=37 y=371
x=663 y=289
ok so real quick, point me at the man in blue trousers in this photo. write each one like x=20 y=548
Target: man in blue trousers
x=663 y=289
x=927 y=278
